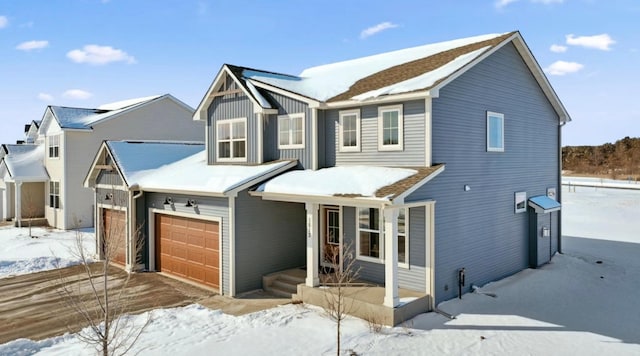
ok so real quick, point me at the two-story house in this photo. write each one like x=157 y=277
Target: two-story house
x=67 y=139
x=431 y=163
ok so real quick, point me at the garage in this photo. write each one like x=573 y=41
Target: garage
x=115 y=233
x=188 y=248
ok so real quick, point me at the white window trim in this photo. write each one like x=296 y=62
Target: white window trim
x=51 y=194
x=405 y=264
x=501 y=117
x=380 y=231
x=290 y=117
x=341 y=146
x=400 y=145
x=231 y=140
x=49 y=146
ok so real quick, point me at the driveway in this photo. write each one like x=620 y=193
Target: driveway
x=31 y=305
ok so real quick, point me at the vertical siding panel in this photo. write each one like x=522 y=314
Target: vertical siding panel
x=478 y=229
x=232 y=106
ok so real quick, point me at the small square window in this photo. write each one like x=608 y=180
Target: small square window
x=495 y=132
x=232 y=139
x=291 y=131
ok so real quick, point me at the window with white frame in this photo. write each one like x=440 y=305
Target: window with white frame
x=495 y=132
x=232 y=139
x=390 y=128
x=369 y=233
x=54 y=194
x=54 y=146
x=403 y=237
x=350 y=131
x=291 y=131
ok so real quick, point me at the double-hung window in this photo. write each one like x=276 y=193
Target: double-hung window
x=232 y=139
x=403 y=237
x=350 y=131
x=390 y=128
x=53 y=143
x=495 y=132
x=369 y=233
x=54 y=194
x=291 y=131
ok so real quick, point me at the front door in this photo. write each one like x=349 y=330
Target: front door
x=331 y=237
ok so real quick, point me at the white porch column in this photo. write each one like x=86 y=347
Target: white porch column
x=391 y=298
x=19 y=203
x=313 y=279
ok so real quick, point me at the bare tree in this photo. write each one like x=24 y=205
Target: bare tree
x=30 y=208
x=337 y=304
x=100 y=300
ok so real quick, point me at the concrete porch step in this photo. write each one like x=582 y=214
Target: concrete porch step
x=34 y=222
x=283 y=283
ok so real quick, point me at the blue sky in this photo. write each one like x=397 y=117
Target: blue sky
x=89 y=52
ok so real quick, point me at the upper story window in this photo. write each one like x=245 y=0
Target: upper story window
x=54 y=194
x=232 y=139
x=495 y=132
x=291 y=131
x=53 y=144
x=350 y=131
x=390 y=128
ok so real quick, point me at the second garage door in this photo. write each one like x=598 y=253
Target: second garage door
x=188 y=248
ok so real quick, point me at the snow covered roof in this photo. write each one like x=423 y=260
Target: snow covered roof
x=384 y=183
x=402 y=71
x=25 y=163
x=83 y=118
x=544 y=204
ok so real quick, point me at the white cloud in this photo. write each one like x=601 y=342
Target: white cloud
x=31 y=45
x=601 y=42
x=99 y=55
x=4 y=21
x=502 y=3
x=45 y=97
x=558 y=48
x=377 y=28
x=77 y=94
x=562 y=68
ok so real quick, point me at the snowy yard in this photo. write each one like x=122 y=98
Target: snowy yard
x=584 y=302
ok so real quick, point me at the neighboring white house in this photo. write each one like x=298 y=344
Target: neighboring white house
x=71 y=136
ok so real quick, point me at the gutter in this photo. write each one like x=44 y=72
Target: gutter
x=559 y=191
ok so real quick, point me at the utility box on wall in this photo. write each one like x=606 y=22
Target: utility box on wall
x=543 y=213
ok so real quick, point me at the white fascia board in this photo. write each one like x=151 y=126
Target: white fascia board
x=183 y=192
x=309 y=101
x=379 y=100
x=400 y=198
x=322 y=199
x=200 y=113
x=89 y=178
x=233 y=191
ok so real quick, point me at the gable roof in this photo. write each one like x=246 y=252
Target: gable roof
x=421 y=70
x=85 y=118
x=24 y=163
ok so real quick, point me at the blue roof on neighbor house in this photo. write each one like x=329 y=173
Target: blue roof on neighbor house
x=544 y=204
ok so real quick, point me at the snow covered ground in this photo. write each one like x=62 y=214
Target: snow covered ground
x=583 y=302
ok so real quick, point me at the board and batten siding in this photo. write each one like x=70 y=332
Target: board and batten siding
x=413 y=153
x=112 y=177
x=287 y=106
x=117 y=197
x=270 y=236
x=412 y=278
x=207 y=206
x=478 y=229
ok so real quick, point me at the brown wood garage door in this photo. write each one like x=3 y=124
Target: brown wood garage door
x=114 y=233
x=188 y=248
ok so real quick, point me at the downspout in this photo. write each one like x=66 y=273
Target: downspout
x=559 y=191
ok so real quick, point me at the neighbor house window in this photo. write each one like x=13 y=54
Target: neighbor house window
x=403 y=237
x=54 y=195
x=390 y=128
x=291 y=131
x=232 y=139
x=54 y=146
x=369 y=234
x=350 y=131
x=495 y=132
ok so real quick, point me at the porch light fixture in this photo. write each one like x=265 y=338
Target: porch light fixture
x=467 y=187
x=168 y=201
x=108 y=196
x=191 y=203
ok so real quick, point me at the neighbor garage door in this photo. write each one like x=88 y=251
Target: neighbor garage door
x=114 y=232
x=188 y=248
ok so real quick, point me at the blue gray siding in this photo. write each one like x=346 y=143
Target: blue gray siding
x=117 y=197
x=414 y=133
x=269 y=236
x=414 y=277
x=478 y=229
x=207 y=206
x=286 y=105
x=111 y=178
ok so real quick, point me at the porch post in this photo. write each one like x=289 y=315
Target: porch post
x=312 y=244
x=391 y=298
x=19 y=203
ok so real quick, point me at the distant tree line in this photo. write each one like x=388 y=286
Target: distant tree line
x=620 y=160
